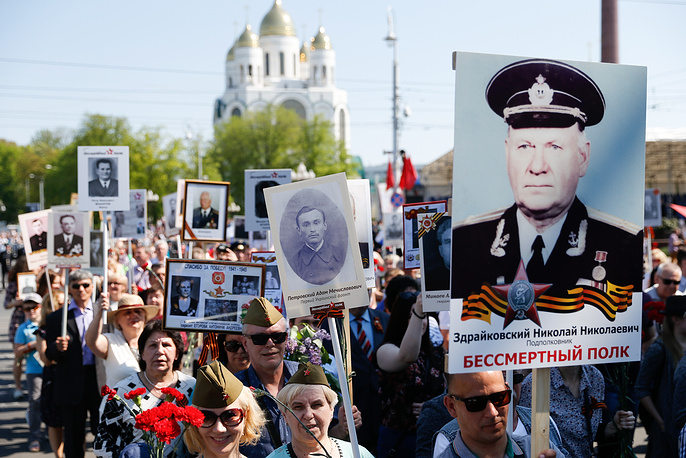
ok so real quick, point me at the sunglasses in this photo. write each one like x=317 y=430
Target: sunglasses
x=668 y=282
x=233 y=345
x=262 y=339
x=80 y=285
x=31 y=308
x=231 y=417
x=479 y=403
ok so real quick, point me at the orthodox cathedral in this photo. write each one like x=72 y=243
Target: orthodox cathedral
x=273 y=68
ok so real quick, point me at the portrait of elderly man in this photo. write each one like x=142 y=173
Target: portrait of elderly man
x=318 y=261
x=205 y=217
x=105 y=185
x=558 y=240
x=68 y=243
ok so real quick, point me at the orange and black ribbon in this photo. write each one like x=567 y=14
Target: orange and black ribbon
x=594 y=404
x=209 y=345
x=333 y=311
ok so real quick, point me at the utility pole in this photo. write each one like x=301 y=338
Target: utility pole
x=609 y=51
x=392 y=40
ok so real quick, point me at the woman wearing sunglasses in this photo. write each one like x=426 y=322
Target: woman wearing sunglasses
x=411 y=373
x=232 y=416
x=311 y=402
x=232 y=354
x=161 y=351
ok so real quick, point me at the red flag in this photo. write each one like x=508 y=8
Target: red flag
x=390 y=180
x=409 y=175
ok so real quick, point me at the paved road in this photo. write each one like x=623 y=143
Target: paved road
x=13 y=428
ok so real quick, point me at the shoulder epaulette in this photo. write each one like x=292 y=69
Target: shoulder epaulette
x=482 y=218
x=613 y=220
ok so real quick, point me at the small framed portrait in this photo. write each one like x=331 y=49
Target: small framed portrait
x=34 y=229
x=256 y=181
x=131 y=223
x=434 y=245
x=411 y=226
x=272 y=280
x=393 y=228
x=652 y=208
x=361 y=204
x=69 y=246
x=169 y=210
x=204 y=217
x=209 y=295
x=240 y=233
x=316 y=245
x=259 y=240
x=97 y=253
x=26 y=283
x=103 y=178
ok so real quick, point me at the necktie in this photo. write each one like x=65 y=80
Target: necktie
x=67 y=242
x=535 y=267
x=106 y=184
x=362 y=339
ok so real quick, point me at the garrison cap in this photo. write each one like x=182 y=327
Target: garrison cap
x=545 y=93
x=261 y=312
x=309 y=374
x=216 y=387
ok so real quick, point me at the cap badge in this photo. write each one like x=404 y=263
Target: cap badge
x=540 y=93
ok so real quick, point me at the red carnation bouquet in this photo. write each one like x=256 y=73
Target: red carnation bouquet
x=160 y=424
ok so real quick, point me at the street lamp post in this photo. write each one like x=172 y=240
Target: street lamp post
x=392 y=40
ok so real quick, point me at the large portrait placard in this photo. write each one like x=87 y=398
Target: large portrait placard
x=131 y=223
x=204 y=214
x=256 y=181
x=35 y=233
x=547 y=214
x=434 y=245
x=210 y=295
x=68 y=239
x=360 y=200
x=411 y=213
x=103 y=178
x=316 y=246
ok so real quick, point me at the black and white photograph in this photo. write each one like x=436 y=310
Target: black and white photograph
x=131 y=223
x=259 y=240
x=185 y=294
x=315 y=243
x=435 y=251
x=360 y=201
x=393 y=228
x=34 y=228
x=209 y=295
x=26 y=284
x=411 y=213
x=652 y=208
x=103 y=178
x=256 y=181
x=272 y=280
x=97 y=253
x=240 y=233
x=169 y=210
x=205 y=211
x=548 y=191
x=69 y=245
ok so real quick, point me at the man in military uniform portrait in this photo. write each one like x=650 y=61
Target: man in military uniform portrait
x=318 y=261
x=548 y=236
x=205 y=217
x=39 y=239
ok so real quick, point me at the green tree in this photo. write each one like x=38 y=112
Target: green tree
x=11 y=185
x=274 y=138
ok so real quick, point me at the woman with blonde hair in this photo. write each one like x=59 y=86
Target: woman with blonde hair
x=232 y=416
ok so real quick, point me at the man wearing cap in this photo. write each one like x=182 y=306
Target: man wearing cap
x=25 y=347
x=264 y=338
x=75 y=378
x=549 y=231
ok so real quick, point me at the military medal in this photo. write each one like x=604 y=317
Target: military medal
x=599 y=271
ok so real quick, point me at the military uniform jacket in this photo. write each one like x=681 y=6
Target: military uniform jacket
x=488 y=251
x=211 y=221
x=318 y=267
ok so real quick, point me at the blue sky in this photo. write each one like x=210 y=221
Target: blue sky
x=161 y=63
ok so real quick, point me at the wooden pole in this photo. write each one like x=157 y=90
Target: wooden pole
x=540 y=411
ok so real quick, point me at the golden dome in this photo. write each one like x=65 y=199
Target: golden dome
x=321 y=40
x=304 y=51
x=248 y=39
x=230 y=55
x=277 y=22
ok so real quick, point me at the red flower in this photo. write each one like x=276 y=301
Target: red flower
x=174 y=393
x=133 y=393
x=653 y=308
x=192 y=416
x=166 y=430
x=107 y=391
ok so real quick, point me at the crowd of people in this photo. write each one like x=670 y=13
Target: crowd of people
x=404 y=403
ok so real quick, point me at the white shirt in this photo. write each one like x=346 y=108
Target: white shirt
x=528 y=233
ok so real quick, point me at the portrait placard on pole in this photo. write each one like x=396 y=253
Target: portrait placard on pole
x=256 y=181
x=411 y=213
x=68 y=239
x=204 y=214
x=316 y=246
x=546 y=246
x=360 y=200
x=210 y=295
x=434 y=241
x=169 y=209
x=34 y=229
x=131 y=223
x=652 y=208
x=103 y=178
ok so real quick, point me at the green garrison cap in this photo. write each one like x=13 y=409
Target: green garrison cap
x=309 y=374
x=216 y=387
x=262 y=313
